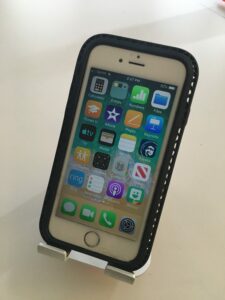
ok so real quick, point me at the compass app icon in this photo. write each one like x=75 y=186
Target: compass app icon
x=113 y=114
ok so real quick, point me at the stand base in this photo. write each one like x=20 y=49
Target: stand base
x=119 y=274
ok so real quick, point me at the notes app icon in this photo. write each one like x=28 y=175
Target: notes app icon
x=127 y=142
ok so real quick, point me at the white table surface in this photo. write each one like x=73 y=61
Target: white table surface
x=39 y=43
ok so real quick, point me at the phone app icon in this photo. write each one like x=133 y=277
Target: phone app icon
x=113 y=114
x=127 y=225
x=139 y=94
x=115 y=189
x=147 y=148
x=101 y=160
x=87 y=132
x=99 y=85
x=88 y=212
x=161 y=99
x=133 y=118
x=120 y=165
x=93 y=109
x=95 y=184
x=76 y=178
x=68 y=207
x=154 y=123
x=107 y=137
x=82 y=155
x=135 y=195
x=119 y=90
x=127 y=142
x=141 y=172
x=107 y=218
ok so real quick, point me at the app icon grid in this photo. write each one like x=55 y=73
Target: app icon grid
x=118 y=138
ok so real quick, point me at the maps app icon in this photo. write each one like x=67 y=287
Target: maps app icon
x=161 y=99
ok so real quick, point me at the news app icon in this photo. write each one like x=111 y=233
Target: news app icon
x=141 y=172
x=154 y=124
x=161 y=99
x=115 y=189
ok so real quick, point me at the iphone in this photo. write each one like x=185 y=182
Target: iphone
x=127 y=109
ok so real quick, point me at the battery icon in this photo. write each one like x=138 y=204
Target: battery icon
x=172 y=88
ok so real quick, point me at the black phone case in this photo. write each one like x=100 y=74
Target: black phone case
x=166 y=170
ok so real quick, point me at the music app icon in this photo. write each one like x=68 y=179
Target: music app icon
x=115 y=189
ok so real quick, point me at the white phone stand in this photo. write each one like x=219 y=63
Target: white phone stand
x=120 y=274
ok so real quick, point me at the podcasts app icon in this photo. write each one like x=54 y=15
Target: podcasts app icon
x=115 y=189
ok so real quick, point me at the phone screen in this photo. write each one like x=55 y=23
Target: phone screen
x=115 y=152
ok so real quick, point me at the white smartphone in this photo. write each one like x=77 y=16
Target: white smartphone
x=118 y=126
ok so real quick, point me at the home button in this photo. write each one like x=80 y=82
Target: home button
x=91 y=239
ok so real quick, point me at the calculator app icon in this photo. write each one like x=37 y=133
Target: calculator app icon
x=99 y=85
